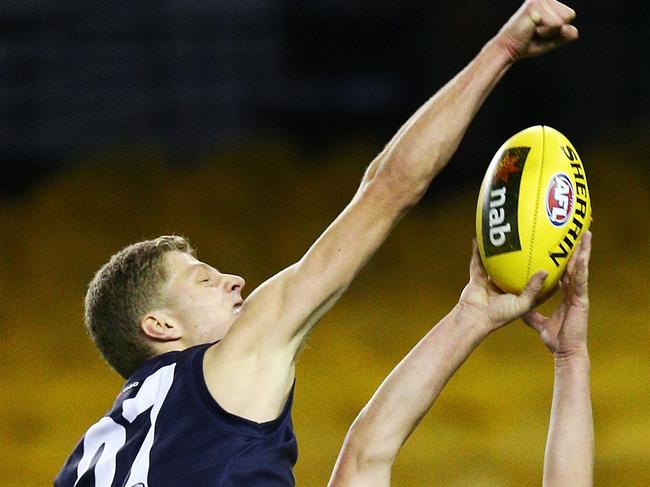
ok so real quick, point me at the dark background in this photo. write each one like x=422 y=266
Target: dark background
x=187 y=77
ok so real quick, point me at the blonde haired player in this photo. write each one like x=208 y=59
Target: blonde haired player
x=209 y=376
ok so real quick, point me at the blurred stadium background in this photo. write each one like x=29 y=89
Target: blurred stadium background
x=245 y=125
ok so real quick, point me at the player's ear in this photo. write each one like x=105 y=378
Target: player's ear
x=159 y=326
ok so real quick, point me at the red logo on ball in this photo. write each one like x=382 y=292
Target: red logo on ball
x=559 y=199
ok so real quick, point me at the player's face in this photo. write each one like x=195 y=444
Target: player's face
x=205 y=301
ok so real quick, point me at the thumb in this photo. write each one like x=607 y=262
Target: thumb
x=535 y=320
x=528 y=297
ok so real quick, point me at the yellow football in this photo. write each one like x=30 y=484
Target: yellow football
x=533 y=207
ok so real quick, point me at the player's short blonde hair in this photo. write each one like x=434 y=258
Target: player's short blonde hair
x=122 y=291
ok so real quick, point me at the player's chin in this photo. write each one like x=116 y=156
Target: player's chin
x=225 y=327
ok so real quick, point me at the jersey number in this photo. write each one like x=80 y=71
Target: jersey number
x=105 y=438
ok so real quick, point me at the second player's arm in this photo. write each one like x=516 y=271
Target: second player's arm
x=401 y=401
x=569 y=454
x=569 y=457
x=372 y=444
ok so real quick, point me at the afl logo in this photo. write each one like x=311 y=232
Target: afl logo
x=559 y=199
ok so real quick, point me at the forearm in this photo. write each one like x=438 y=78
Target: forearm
x=409 y=391
x=570 y=444
x=425 y=143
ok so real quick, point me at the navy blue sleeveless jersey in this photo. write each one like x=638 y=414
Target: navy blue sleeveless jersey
x=166 y=430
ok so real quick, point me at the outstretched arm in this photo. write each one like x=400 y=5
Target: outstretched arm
x=258 y=353
x=399 y=176
x=384 y=424
x=569 y=457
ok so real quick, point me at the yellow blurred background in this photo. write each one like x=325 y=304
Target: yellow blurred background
x=255 y=209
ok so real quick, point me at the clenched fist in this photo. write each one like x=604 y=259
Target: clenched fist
x=536 y=28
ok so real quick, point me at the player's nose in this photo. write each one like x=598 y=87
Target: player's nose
x=233 y=283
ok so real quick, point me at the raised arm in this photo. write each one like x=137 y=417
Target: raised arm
x=400 y=175
x=259 y=351
x=569 y=457
x=384 y=424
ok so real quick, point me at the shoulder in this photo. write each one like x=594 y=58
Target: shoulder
x=160 y=371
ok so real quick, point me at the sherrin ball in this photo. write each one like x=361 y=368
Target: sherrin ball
x=533 y=207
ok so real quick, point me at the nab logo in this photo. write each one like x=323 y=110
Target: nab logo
x=497 y=217
x=559 y=199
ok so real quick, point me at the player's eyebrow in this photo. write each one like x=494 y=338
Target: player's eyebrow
x=193 y=268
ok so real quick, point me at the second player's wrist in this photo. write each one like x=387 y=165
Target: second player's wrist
x=474 y=320
x=569 y=355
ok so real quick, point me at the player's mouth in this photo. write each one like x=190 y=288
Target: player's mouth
x=237 y=307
